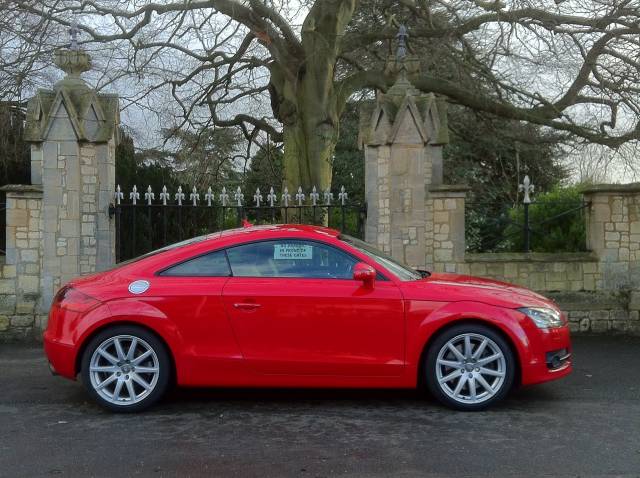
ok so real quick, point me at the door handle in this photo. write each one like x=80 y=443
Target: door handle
x=246 y=305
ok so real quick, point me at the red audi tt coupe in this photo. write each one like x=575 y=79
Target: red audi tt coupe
x=298 y=306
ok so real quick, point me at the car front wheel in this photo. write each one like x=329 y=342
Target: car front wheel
x=126 y=368
x=469 y=367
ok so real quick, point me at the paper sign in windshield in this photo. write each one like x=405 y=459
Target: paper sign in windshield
x=293 y=251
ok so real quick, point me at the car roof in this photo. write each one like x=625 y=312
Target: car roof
x=278 y=230
x=226 y=238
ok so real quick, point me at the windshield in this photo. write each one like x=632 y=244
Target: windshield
x=400 y=270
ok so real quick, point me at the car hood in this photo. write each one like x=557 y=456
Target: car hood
x=456 y=288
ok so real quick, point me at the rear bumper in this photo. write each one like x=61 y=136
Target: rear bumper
x=545 y=346
x=61 y=357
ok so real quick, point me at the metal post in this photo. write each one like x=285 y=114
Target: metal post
x=118 y=229
x=527 y=229
x=239 y=216
x=150 y=226
x=527 y=188
x=164 y=226
x=133 y=230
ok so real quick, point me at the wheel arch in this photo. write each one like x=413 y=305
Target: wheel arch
x=85 y=342
x=475 y=321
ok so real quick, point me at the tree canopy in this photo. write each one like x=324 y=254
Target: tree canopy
x=571 y=66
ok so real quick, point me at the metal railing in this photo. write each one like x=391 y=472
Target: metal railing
x=144 y=223
x=505 y=227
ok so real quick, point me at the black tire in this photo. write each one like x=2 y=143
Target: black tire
x=144 y=337
x=439 y=391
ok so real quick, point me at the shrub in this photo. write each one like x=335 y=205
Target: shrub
x=557 y=223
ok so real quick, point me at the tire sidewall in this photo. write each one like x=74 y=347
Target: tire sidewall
x=154 y=342
x=431 y=364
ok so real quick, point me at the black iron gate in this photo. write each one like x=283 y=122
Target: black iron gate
x=144 y=223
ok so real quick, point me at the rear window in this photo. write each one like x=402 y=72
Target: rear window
x=214 y=264
x=187 y=242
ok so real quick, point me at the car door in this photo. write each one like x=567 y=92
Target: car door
x=295 y=309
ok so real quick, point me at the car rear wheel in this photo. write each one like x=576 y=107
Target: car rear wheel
x=126 y=368
x=469 y=367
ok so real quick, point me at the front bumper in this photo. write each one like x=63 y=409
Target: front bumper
x=550 y=356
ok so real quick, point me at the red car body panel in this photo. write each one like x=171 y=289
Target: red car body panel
x=240 y=331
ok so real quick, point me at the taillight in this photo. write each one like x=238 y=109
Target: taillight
x=73 y=300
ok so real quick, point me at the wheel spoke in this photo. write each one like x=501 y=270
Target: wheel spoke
x=455 y=351
x=140 y=358
x=130 y=390
x=106 y=381
x=460 y=384
x=139 y=380
x=146 y=369
x=451 y=376
x=449 y=363
x=105 y=368
x=467 y=347
x=132 y=349
x=118 y=345
x=117 y=390
x=108 y=356
x=484 y=384
x=472 y=389
x=480 y=349
x=489 y=359
x=493 y=373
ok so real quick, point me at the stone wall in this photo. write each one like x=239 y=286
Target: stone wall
x=600 y=290
x=613 y=233
x=20 y=284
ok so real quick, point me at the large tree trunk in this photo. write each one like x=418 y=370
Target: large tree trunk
x=305 y=99
x=309 y=144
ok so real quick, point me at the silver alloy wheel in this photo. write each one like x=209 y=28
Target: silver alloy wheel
x=124 y=370
x=470 y=368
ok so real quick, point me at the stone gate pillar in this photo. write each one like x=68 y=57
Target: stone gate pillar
x=410 y=213
x=73 y=131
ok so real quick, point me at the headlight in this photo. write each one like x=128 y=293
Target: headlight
x=542 y=317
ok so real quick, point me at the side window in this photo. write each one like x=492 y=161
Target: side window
x=290 y=258
x=209 y=265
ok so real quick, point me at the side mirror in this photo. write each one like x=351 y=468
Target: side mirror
x=365 y=273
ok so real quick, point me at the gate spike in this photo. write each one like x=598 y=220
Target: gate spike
x=209 y=196
x=224 y=197
x=271 y=197
x=257 y=197
x=238 y=196
x=194 y=196
x=343 y=196
x=314 y=196
x=119 y=195
x=149 y=195
x=164 y=195
x=527 y=188
x=134 y=195
x=328 y=197
x=300 y=196
x=180 y=196
x=286 y=197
